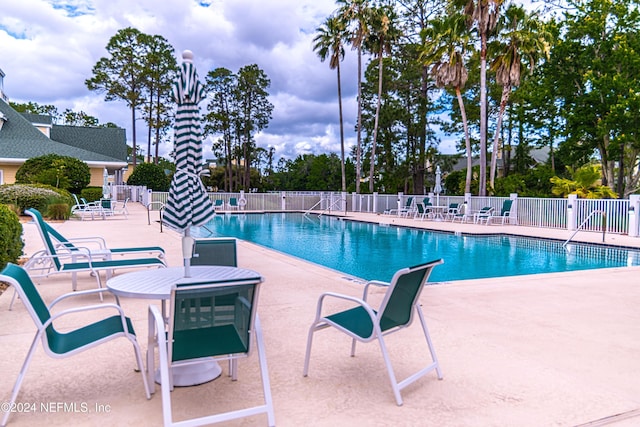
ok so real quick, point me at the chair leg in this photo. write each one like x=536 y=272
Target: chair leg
x=18 y=384
x=307 y=355
x=264 y=371
x=392 y=375
x=136 y=349
x=13 y=298
x=429 y=342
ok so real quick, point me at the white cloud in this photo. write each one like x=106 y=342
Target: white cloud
x=48 y=48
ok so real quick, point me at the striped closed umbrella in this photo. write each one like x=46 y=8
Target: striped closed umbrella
x=188 y=203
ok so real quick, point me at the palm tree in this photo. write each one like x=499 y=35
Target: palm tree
x=525 y=37
x=329 y=44
x=356 y=11
x=381 y=38
x=484 y=14
x=445 y=46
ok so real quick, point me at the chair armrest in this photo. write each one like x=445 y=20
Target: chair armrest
x=123 y=318
x=156 y=322
x=75 y=294
x=358 y=301
x=372 y=282
x=102 y=244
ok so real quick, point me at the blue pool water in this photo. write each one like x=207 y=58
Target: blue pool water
x=372 y=251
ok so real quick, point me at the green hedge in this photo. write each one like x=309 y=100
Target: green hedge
x=11 y=243
x=25 y=196
x=92 y=193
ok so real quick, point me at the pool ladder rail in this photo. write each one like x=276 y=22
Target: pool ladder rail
x=325 y=209
x=604 y=225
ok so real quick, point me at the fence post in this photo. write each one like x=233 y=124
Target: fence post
x=514 y=208
x=400 y=194
x=571 y=212
x=634 y=210
x=375 y=203
x=283 y=201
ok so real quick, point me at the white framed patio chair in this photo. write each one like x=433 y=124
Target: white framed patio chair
x=505 y=214
x=66 y=258
x=63 y=344
x=452 y=211
x=483 y=214
x=215 y=251
x=233 y=203
x=208 y=320
x=363 y=323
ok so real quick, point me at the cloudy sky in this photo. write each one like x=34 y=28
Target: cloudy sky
x=48 y=48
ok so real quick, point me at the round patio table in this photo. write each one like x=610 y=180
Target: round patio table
x=157 y=284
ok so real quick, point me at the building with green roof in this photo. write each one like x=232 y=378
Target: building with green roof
x=23 y=136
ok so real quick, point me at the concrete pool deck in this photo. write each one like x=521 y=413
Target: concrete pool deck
x=560 y=349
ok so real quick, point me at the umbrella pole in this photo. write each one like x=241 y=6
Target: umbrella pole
x=187 y=251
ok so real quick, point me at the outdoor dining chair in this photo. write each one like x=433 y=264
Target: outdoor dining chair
x=208 y=320
x=365 y=324
x=215 y=251
x=63 y=344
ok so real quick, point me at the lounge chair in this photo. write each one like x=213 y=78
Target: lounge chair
x=119 y=208
x=82 y=208
x=505 y=214
x=461 y=215
x=215 y=320
x=63 y=258
x=365 y=324
x=403 y=211
x=63 y=344
x=483 y=214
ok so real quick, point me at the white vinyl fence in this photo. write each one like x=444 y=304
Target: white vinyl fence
x=608 y=215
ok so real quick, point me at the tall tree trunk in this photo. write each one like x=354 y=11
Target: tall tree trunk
x=375 y=126
x=359 y=134
x=149 y=133
x=342 y=166
x=496 y=138
x=467 y=141
x=482 y=187
x=133 y=135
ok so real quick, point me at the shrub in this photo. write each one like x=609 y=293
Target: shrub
x=33 y=196
x=59 y=211
x=91 y=193
x=11 y=243
x=151 y=175
x=58 y=171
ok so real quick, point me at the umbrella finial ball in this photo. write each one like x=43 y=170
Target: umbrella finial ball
x=187 y=56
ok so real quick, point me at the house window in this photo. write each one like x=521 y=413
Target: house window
x=1 y=177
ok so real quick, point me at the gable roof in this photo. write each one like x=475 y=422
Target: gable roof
x=103 y=140
x=20 y=140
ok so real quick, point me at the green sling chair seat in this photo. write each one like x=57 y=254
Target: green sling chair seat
x=363 y=323
x=62 y=258
x=62 y=344
x=214 y=319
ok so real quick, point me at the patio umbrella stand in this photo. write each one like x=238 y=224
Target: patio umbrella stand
x=188 y=203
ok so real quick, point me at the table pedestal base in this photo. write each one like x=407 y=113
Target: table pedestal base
x=194 y=372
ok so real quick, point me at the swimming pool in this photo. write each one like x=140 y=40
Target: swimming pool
x=373 y=251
